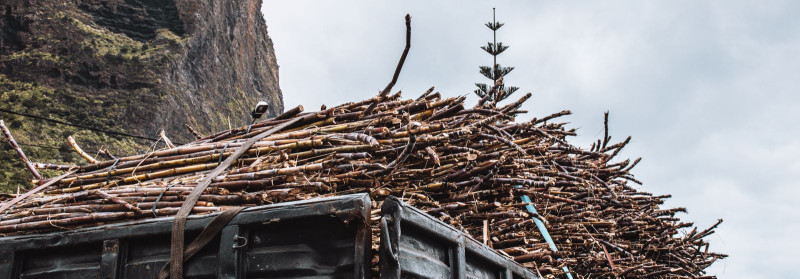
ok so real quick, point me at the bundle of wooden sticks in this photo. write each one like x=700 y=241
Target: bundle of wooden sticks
x=466 y=166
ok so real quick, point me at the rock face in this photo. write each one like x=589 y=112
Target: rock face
x=133 y=66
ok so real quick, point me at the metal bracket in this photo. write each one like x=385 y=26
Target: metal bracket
x=386 y=239
x=237 y=240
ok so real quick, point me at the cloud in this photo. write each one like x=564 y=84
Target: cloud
x=708 y=90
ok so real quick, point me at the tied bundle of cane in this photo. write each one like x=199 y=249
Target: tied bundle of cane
x=461 y=165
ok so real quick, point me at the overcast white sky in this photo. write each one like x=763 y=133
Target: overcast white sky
x=708 y=90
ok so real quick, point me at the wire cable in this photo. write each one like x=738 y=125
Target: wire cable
x=40 y=146
x=34 y=145
x=76 y=125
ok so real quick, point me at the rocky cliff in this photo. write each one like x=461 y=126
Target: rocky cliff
x=132 y=66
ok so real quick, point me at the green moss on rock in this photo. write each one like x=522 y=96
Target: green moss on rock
x=46 y=141
x=133 y=67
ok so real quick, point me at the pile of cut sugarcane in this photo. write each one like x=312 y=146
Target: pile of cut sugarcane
x=466 y=166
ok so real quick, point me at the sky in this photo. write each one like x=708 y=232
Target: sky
x=708 y=90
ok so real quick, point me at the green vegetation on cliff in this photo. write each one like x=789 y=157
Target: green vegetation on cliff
x=46 y=141
x=134 y=67
x=73 y=86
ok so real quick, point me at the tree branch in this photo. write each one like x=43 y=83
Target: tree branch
x=400 y=63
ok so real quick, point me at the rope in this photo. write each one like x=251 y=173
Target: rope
x=158 y=199
x=108 y=176
x=222 y=153
x=76 y=125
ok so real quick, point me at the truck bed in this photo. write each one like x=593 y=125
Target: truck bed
x=319 y=238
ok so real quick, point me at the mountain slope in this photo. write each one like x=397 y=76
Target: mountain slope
x=132 y=66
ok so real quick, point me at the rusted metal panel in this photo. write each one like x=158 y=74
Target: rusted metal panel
x=6 y=264
x=322 y=238
x=230 y=252
x=109 y=263
x=428 y=248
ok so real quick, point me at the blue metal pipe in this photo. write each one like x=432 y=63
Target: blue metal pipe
x=541 y=227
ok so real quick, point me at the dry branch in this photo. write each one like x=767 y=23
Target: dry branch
x=74 y=145
x=21 y=154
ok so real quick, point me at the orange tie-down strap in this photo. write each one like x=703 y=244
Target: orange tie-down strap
x=178 y=227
